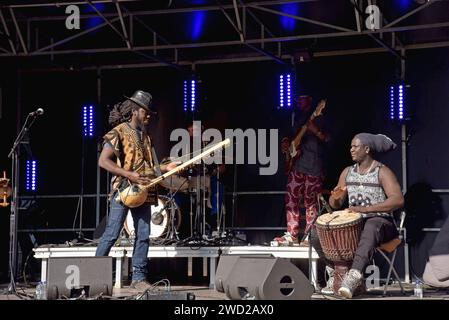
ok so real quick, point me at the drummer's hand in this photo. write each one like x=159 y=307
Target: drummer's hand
x=339 y=192
x=135 y=177
x=359 y=209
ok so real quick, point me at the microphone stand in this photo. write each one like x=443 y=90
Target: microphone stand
x=80 y=236
x=172 y=233
x=14 y=154
x=309 y=231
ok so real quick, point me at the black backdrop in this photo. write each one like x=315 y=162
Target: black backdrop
x=242 y=95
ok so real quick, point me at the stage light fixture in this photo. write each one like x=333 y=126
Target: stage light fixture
x=190 y=95
x=31 y=171
x=88 y=121
x=285 y=94
x=398 y=102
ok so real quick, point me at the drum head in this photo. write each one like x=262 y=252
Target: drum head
x=175 y=183
x=160 y=221
x=341 y=217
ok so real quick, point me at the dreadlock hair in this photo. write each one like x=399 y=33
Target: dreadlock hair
x=122 y=112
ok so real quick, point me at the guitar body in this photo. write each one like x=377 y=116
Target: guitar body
x=133 y=195
x=293 y=153
x=291 y=156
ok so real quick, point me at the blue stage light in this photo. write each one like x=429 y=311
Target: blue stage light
x=285 y=91
x=190 y=95
x=185 y=95
x=397 y=101
x=392 y=103
x=88 y=121
x=31 y=172
x=289 y=24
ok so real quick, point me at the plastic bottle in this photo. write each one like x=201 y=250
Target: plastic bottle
x=418 y=290
x=41 y=291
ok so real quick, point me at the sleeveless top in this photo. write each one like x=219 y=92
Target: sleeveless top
x=365 y=189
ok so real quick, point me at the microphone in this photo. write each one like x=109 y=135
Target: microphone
x=38 y=112
x=326 y=205
x=157 y=218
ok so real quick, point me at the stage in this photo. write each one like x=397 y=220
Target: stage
x=245 y=119
x=205 y=293
x=210 y=255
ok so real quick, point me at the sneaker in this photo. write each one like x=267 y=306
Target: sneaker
x=286 y=240
x=352 y=281
x=140 y=285
x=329 y=288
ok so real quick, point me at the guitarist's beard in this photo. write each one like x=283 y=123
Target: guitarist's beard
x=144 y=127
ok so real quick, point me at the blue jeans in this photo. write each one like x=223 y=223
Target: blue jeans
x=141 y=216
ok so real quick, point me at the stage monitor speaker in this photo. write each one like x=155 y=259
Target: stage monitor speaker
x=69 y=277
x=225 y=266
x=266 y=278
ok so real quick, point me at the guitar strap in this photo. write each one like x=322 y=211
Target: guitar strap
x=157 y=167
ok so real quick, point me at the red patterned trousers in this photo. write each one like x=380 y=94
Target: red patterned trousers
x=302 y=191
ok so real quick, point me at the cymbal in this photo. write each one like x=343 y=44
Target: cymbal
x=5 y=190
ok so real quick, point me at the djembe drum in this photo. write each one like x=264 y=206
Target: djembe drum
x=339 y=235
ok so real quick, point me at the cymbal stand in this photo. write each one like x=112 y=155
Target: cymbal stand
x=172 y=233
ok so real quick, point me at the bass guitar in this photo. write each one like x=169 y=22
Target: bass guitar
x=294 y=152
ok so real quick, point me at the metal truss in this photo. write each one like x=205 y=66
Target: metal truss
x=238 y=13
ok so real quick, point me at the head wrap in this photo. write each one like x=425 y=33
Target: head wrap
x=376 y=142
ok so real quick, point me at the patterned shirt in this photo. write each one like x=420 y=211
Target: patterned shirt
x=365 y=189
x=133 y=151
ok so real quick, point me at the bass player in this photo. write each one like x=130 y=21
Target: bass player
x=304 y=166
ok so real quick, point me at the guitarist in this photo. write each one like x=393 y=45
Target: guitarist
x=306 y=175
x=127 y=154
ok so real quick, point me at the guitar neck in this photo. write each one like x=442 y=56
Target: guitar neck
x=302 y=131
x=203 y=154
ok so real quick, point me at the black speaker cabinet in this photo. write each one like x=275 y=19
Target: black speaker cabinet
x=69 y=277
x=253 y=277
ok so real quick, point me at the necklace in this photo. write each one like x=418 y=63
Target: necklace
x=369 y=169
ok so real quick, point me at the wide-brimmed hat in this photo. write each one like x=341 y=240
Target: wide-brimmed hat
x=143 y=99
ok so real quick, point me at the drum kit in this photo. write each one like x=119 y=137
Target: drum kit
x=166 y=217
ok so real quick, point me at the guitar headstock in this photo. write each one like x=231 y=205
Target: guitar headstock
x=319 y=108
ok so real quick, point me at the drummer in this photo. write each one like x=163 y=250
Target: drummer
x=371 y=189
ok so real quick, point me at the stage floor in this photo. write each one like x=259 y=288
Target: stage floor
x=205 y=293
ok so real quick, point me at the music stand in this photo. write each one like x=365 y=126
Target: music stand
x=14 y=154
